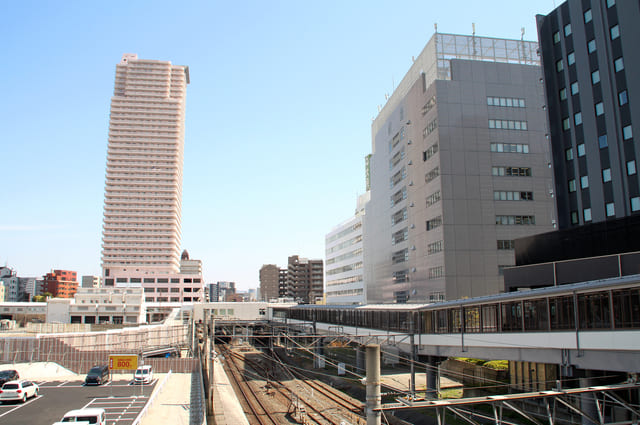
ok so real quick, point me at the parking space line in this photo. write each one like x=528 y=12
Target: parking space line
x=64 y=382
x=19 y=406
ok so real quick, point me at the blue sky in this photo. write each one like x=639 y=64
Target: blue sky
x=278 y=117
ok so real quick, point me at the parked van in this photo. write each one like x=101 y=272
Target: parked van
x=97 y=375
x=90 y=416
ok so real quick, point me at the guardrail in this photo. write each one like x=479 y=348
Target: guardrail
x=152 y=398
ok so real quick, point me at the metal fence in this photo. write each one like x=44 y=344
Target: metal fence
x=80 y=351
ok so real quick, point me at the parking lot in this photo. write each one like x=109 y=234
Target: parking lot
x=121 y=400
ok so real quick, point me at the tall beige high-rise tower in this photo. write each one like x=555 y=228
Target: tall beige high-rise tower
x=143 y=191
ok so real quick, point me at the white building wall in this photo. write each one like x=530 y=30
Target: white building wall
x=344 y=272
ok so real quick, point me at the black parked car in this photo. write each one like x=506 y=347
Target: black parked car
x=97 y=375
x=8 y=375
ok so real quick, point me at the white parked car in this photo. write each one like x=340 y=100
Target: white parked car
x=86 y=416
x=18 y=390
x=143 y=375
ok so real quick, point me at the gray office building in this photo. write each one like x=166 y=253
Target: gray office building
x=460 y=168
x=591 y=65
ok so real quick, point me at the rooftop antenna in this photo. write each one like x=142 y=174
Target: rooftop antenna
x=473 y=36
x=524 y=49
x=435 y=27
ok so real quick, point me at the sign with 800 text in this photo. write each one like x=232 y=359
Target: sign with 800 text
x=123 y=362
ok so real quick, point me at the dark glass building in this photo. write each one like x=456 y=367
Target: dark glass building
x=591 y=67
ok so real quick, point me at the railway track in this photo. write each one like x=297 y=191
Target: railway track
x=301 y=392
x=258 y=410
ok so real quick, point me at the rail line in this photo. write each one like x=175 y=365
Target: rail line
x=259 y=411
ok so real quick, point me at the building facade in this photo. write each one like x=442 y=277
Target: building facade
x=269 y=282
x=61 y=283
x=90 y=281
x=591 y=63
x=305 y=279
x=344 y=272
x=143 y=192
x=459 y=169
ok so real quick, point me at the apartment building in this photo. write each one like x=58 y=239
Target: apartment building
x=305 y=279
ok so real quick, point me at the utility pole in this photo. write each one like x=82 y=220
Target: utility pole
x=374 y=399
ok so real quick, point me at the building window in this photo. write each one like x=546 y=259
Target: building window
x=618 y=64
x=510 y=147
x=572 y=185
x=602 y=141
x=568 y=154
x=577 y=118
x=563 y=93
x=506 y=101
x=434 y=247
x=433 y=198
x=433 y=149
x=591 y=46
x=559 y=65
x=506 y=244
x=627 y=133
x=556 y=37
x=584 y=182
x=508 y=125
x=574 y=217
x=622 y=98
x=587 y=16
x=398 y=177
x=502 y=195
x=595 y=77
x=606 y=175
x=511 y=171
x=611 y=210
x=571 y=58
x=401 y=276
x=505 y=220
x=581 y=150
x=399 y=216
x=400 y=256
x=599 y=109
x=432 y=175
x=436 y=272
x=615 y=32
x=631 y=167
x=635 y=203
x=434 y=223
x=575 y=89
x=586 y=214
x=566 y=124
x=567 y=30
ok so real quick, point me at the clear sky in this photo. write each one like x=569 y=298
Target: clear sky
x=278 y=117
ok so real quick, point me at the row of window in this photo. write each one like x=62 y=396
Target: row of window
x=395 y=160
x=432 y=174
x=398 y=177
x=434 y=223
x=434 y=247
x=400 y=236
x=400 y=256
x=401 y=276
x=511 y=171
x=433 y=198
x=510 y=147
x=430 y=128
x=435 y=272
x=399 y=196
x=508 y=124
x=502 y=195
x=158 y=280
x=345 y=292
x=433 y=149
x=352 y=241
x=347 y=268
x=524 y=220
x=345 y=256
x=345 y=280
x=505 y=101
x=504 y=244
x=399 y=216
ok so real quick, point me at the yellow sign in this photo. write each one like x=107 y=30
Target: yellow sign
x=123 y=362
